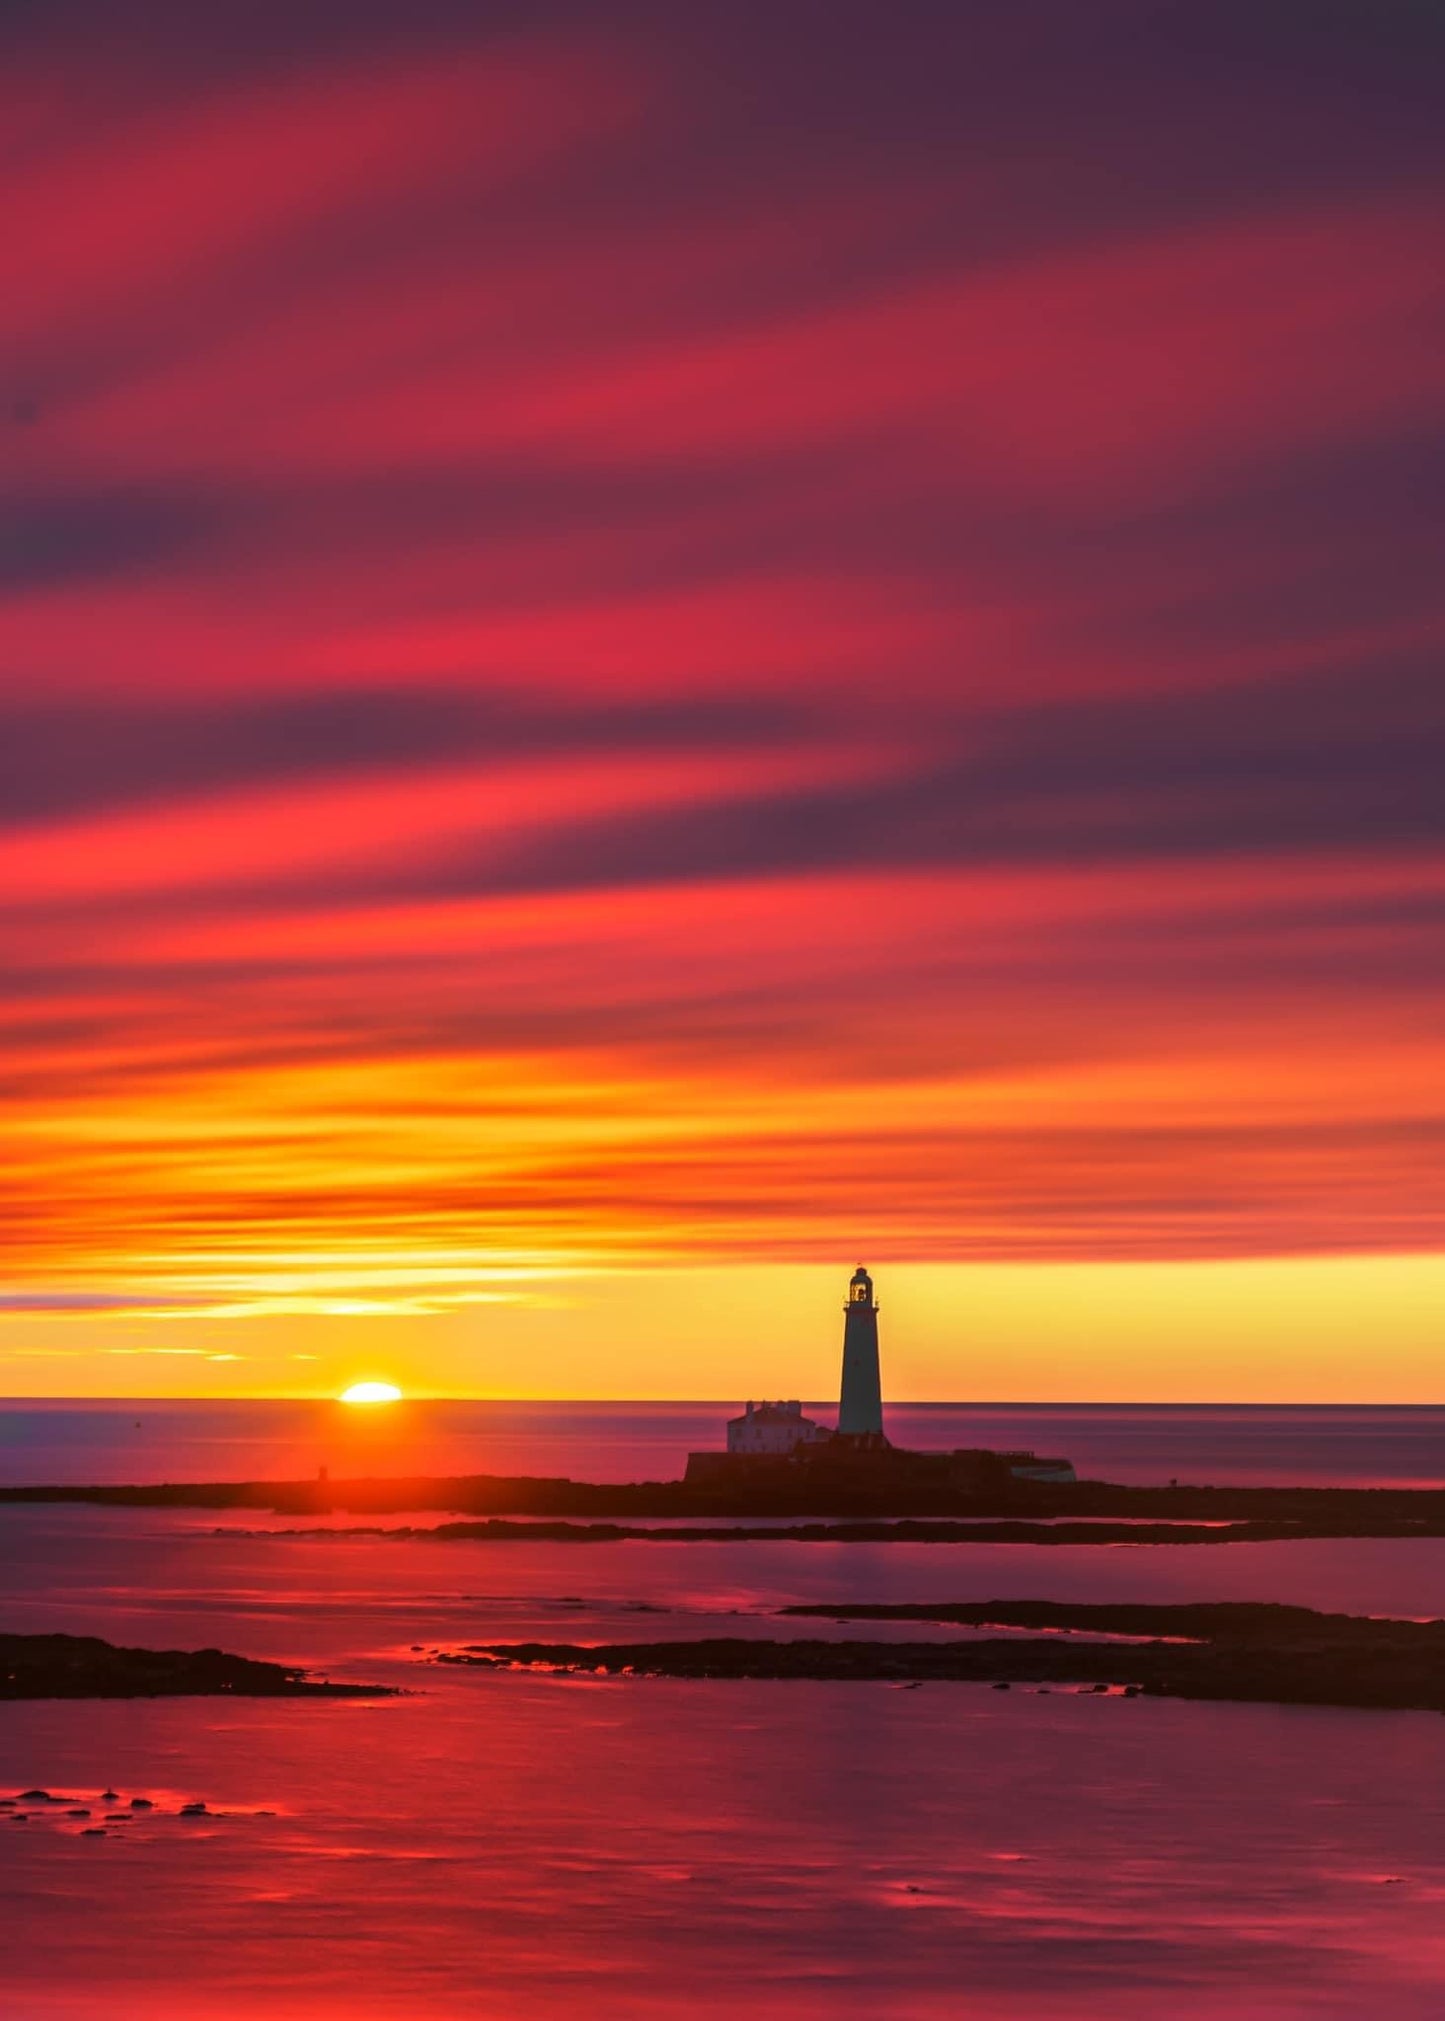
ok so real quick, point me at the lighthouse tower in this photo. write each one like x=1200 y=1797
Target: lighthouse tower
x=860 y=1407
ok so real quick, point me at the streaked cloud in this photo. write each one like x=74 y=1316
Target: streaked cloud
x=626 y=646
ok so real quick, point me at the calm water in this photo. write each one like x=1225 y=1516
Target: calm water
x=513 y=1846
x=149 y=1441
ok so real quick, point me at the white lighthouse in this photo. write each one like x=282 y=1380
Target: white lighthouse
x=860 y=1404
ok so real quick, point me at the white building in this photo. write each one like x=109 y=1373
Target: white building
x=773 y=1428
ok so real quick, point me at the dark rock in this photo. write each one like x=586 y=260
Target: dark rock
x=77 y=1813
x=193 y=1810
x=1175 y=1514
x=36 y=1796
x=95 y=1832
x=110 y=1796
x=1250 y=1652
x=141 y=1803
x=82 y=1666
x=1003 y=1685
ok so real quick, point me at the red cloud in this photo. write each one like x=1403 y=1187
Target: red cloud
x=532 y=389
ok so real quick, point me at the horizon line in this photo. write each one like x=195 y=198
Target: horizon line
x=723 y=1403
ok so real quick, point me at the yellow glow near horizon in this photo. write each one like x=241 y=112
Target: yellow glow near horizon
x=1356 y=1329
x=371 y=1392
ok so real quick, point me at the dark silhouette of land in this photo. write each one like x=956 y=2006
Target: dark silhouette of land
x=82 y=1666
x=903 y=1530
x=1290 y=1511
x=1251 y=1652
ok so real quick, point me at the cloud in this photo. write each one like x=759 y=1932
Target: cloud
x=621 y=642
x=88 y=1302
x=55 y=758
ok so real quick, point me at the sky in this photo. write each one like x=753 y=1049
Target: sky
x=647 y=650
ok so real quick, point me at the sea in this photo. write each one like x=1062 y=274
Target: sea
x=149 y=1440
x=514 y=1844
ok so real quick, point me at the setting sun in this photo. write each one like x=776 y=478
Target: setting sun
x=371 y=1392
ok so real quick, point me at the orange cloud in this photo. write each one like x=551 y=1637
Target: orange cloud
x=624 y=651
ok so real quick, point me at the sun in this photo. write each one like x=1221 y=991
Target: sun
x=371 y=1392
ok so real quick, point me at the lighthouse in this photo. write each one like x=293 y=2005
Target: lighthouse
x=773 y=1447
x=860 y=1406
